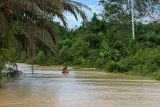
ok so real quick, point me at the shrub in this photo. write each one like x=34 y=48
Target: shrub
x=153 y=68
x=157 y=75
x=139 y=70
x=113 y=66
x=133 y=61
x=40 y=58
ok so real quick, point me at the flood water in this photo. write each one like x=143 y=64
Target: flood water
x=49 y=88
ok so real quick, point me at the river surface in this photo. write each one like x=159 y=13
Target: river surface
x=49 y=88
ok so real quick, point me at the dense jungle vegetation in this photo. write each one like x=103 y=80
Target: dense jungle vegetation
x=106 y=46
x=105 y=43
x=109 y=46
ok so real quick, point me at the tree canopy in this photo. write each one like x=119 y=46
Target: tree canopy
x=28 y=23
x=121 y=9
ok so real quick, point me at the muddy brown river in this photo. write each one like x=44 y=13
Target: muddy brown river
x=49 y=88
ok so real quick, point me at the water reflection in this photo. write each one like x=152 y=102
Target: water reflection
x=48 y=88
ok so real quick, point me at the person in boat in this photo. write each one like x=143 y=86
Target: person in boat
x=65 y=70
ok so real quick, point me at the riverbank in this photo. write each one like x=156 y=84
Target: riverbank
x=108 y=75
x=111 y=75
x=137 y=75
x=2 y=83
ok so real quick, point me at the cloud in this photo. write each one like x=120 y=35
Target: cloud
x=72 y=22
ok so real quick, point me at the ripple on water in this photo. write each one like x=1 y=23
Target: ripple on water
x=49 y=88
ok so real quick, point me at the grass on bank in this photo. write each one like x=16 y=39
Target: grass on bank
x=2 y=82
x=96 y=71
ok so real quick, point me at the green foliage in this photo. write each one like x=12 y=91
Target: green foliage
x=35 y=21
x=0 y=74
x=5 y=48
x=1 y=83
x=108 y=46
x=148 y=34
x=157 y=75
x=119 y=10
x=43 y=58
x=51 y=59
x=40 y=58
x=144 y=62
x=105 y=44
x=114 y=66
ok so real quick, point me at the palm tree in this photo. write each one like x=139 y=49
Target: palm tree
x=34 y=17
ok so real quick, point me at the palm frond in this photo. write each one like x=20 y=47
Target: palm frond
x=36 y=16
x=37 y=34
x=75 y=8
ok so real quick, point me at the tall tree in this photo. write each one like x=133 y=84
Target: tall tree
x=34 y=17
x=121 y=9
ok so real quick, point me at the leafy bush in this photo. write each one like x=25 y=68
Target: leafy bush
x=150 y=38
x=157 y=75
x=107 y=45
x=40 y=58
x=51 y=59
x=113 y=66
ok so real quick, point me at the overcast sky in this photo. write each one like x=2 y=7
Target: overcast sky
x=93 y=4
